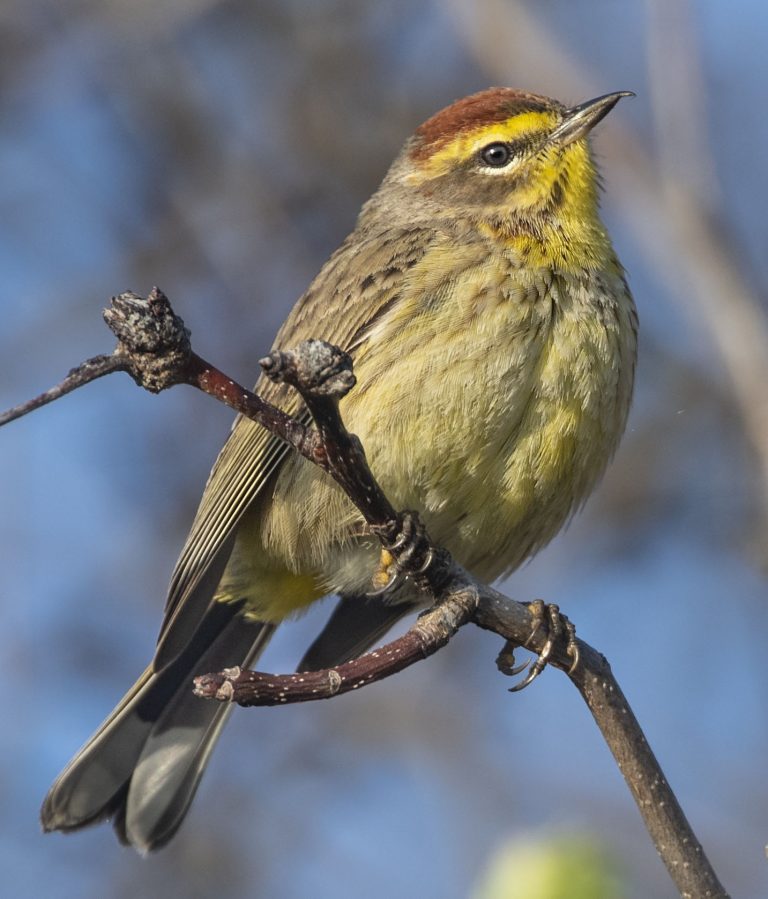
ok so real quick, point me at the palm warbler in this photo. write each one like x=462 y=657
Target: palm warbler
x=494 y=340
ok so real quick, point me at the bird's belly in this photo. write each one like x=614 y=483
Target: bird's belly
x=496 y=445
x=493 y=502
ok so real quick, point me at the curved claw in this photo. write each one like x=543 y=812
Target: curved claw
x=547 y=615
x=535 y=671
x=402 y=539
x=573 y=647
x=538 y=666
x=546 y=651
x=518 y=669
x=379 y=591
x=505 y=661
x=424 y=567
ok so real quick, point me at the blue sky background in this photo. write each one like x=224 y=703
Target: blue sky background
x=221 y=150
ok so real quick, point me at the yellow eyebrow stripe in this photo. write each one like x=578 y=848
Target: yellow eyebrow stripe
x=468 y=142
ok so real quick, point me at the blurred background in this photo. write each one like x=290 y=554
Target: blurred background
x=221 y=149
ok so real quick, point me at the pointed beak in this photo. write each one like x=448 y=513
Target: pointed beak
x=581 y=119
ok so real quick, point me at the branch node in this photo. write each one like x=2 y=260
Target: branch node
x=315 y=368
x=334 y=681
x=151 y=337
x=226 y=691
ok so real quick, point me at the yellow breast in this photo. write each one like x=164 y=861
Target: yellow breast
x=500 y=419
x=492 y=409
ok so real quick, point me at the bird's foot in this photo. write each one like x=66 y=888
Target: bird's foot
x=408 y=553
x=557 y=626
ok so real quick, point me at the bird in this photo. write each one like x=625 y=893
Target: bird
x=494 y=340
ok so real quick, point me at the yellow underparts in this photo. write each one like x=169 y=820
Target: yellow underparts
x=556 y=225
x=271 y=593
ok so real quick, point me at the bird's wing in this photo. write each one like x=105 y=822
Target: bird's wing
x=356 y=286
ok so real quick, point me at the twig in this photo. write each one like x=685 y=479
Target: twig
x=153 y=347
x=430 y=633
x=321 y=373
x=89 y=371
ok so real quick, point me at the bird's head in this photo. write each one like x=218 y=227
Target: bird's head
x=514 y=163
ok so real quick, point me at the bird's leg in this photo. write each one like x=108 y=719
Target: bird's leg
x=557 y=626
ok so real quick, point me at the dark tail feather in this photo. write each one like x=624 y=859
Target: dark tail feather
x=143 y=765
x=356 y=624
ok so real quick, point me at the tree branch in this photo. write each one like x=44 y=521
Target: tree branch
x=431 y=631
x=153 y=347
x=667 y=825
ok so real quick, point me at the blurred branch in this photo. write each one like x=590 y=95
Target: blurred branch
x=677 y=99
x=154 y=348
x=153 y=18
x=684 y=238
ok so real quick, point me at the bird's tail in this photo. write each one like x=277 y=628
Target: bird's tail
x=143 y=765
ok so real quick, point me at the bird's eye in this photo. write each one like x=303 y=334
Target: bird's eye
x=496 y=155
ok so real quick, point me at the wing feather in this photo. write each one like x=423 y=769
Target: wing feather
x=360 y=280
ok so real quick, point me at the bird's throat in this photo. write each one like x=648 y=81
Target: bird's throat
x=555 y=221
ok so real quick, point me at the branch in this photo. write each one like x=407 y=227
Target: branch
x=431 y=632
x=153 y=347
x=667 y=825
x=466 y=600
